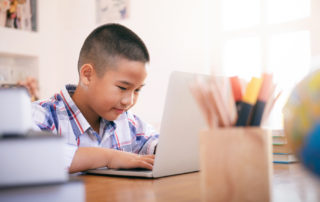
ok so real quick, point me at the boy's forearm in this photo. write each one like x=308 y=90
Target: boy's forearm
x=89 y=158
x=95 y=157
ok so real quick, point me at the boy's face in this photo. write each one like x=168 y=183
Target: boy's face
x=118 y=89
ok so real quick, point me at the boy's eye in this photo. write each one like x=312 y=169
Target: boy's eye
x=122 y=88
x=137 y=90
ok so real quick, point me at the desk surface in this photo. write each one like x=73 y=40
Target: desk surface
x=289 y=183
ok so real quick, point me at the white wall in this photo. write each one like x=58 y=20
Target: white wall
x=48 y=47
x=172 y=30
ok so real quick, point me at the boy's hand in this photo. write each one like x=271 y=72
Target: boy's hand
x=87 y=158
x=128 y=160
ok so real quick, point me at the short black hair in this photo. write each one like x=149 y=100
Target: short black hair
x=109 y=41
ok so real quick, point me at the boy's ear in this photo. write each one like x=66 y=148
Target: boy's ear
x=86 y=73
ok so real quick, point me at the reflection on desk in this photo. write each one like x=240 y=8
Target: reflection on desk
x=290 y=183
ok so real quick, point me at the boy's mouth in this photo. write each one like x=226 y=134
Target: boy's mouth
x=119 y=111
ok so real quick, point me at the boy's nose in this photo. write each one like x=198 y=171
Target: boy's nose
x=127 y=100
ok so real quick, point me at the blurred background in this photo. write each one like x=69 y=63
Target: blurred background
x=221 y=37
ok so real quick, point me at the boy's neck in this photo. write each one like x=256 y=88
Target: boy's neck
x=79 y=98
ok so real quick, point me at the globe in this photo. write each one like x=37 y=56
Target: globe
x=302 y=121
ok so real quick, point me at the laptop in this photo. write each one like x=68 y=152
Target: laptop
x=178 y=147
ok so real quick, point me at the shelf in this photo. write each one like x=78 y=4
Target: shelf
x=15 y=68
x=19 y=53
x=19 y=42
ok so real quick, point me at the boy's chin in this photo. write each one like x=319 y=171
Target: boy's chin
x=111 y=117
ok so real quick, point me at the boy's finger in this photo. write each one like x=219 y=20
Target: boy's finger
x=143 y=164
x=148 y=156
x=149 y=160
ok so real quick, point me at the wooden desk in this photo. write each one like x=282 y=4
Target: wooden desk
x=290 y=183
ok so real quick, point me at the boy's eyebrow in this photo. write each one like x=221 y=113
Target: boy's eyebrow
x=129 y=84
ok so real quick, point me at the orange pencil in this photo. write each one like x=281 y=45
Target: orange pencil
x=236 y=90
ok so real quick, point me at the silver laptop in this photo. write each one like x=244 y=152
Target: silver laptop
x=178 y=147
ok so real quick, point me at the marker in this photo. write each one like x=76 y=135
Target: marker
x=264 y=94
x=248 y=101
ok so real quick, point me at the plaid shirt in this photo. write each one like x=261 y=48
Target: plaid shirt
x=60 y=115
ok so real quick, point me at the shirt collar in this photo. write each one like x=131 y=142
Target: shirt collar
x=108 y=125
x=81 y=122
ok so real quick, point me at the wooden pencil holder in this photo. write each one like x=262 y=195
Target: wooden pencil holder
x=236 y=164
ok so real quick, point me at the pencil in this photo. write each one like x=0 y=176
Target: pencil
x=236 y=91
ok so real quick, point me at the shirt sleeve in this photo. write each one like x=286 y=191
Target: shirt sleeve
x=41 y=118
x=145 y=135
x=69 y=152
x=43 y=121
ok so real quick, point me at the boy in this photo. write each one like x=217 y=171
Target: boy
x=94 y=114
